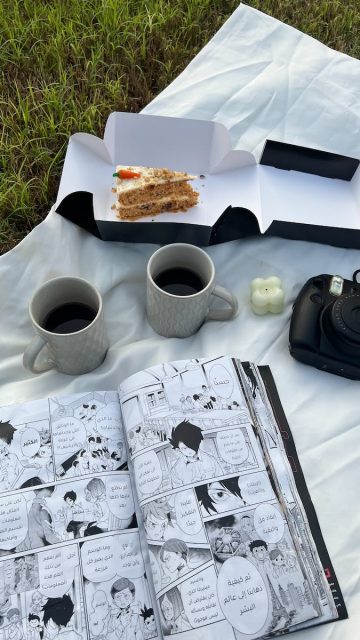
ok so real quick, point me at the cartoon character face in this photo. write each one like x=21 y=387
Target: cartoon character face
x=36 y=598
x=123 y=598
x=279 y=561
x=167 y=609
x=187 y=452
x=14 y=618
x=155 y=528
x=44 y=451
x=149 y=623
x=246 y=525
x=259 y=553
x=69 y=501
x=89 y=496
x=44 y=436
x=34 y=622
x=223 y=498
x=172 y=560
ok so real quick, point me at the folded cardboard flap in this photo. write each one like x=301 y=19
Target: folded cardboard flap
x=78 y=208
x=291 y=157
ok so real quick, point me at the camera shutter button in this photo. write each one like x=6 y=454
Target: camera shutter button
x=317 y=298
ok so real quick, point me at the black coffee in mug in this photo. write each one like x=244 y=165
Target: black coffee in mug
x=69 y=318
x=179 y=281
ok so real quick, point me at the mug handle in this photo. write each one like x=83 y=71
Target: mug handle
x=31 y=353
x=223 y=314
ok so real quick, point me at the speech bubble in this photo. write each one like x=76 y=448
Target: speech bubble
x=187 y=513
x=148 y=474
x=242 y=595
x=232 y=446
x=155 y=571
x=200 y=598
x=119 y=496
x=256 y=487
x=221 y=381
x=69 y=435
x=105 y=558
x=30 y=442
x=13 y=521
x=269 y=523
x=108 y=421
x=56 y=571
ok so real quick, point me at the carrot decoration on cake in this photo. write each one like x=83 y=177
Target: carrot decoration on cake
x=126 y=174
x=147 y=191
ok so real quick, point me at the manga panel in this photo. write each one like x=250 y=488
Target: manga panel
x=220 y=548
x=116 y=588
x=48 y=440
x=87 y=434
x=41 y=596
x=48 y=525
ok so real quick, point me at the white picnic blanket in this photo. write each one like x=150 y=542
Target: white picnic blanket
x=261 y=79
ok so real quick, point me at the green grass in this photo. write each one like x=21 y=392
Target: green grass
x=66 y=64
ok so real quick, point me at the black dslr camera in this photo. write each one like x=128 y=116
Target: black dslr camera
x=325 y=325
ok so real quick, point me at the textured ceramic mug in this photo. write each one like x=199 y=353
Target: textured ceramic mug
x=181 y=316
x=72 y=353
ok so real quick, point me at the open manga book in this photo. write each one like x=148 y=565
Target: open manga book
x=174 y=505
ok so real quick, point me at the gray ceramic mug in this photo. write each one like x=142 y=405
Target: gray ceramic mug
x=180 y=316
x=72 y=353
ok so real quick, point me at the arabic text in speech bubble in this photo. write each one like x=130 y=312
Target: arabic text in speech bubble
x=69 y=435
x=200 y=598
x=148 y=472
x=256 y=487
x=187 y=513
x=242 y=595
x=108 y=421
x=119 y=496
x=13 y=521
x=232 y=446
x=269 y=523
x=105 y=558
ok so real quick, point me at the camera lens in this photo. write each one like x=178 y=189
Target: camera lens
x=345 y=320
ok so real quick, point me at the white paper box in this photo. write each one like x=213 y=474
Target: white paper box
x=294 y=191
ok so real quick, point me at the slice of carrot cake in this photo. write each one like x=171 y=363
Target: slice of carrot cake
x=145 y=191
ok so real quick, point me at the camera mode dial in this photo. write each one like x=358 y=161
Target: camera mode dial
x=345 y=317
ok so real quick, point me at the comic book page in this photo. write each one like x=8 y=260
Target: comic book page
x=331 y=604
x=71 y=564
x=223 y=553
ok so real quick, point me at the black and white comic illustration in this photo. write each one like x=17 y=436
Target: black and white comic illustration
x=26 y=456
x=41 y=596
x=174 y=516
x=87 y=434
x=57 y=439
x=176 y=441
x=48 y=515
x=174 y=559
x=257 y=548
x=204 y=530
x=220 y=547
x=204 y=393
x=46 y=522
x=116 y=589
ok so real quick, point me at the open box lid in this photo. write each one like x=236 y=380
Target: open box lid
x=291 y=189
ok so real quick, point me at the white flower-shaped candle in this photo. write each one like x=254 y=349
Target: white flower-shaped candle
x=267 y=295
